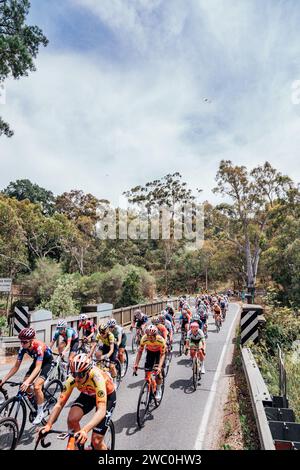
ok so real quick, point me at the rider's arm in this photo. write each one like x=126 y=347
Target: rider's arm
x=64 y=396
x=138 y=356
x=111 y=350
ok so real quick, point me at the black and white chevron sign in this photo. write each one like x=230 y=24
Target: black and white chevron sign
x=21 y=319
x=249 y=326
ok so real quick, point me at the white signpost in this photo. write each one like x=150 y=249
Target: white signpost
x=5 y=285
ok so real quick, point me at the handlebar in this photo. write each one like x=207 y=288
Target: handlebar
x=61 y=435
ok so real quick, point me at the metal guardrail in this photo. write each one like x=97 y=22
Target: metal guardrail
x=259 y=396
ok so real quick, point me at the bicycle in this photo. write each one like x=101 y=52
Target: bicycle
x=59 y=370
x=109 y=439
x=9 y=433
x=17 y=405
x=136 y=339
x=84 y=346
x=218 y=322
x=182 y=341
x=196 y=367
x=224 y=313
x=168 y=358
x=124 y=365
x=147 y=396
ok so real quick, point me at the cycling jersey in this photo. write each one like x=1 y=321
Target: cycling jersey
x=140 y=321
x=117 y=331
x=162 y=330
x=106 y=340
x=39 y=351
x=195 y=338
x=169 y=317
x=159 y=345
x=168 y=325
x=68 y=333
x=97 y=384
x=88 y=327
x=184 y=317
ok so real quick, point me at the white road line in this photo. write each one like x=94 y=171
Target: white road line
x=208 y=407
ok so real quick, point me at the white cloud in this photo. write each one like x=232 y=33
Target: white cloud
x=81 y=116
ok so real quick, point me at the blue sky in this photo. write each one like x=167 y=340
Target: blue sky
x=119 y=95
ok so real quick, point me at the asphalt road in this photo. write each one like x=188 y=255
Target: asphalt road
x=181 y=420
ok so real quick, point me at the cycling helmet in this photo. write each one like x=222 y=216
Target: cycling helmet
x=161 y=318
x=27 y=334
x=82 y=316
x=111 y=323
x=155 y=320
x=62 y=324
x=138 y=314
x=80 y=363
x=102 y=327
x=151 y=330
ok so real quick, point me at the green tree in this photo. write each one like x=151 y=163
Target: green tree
x=245 y=221
x=19 y=45
x=131 y=290
x=25 y=189
x=13 y=255
x=41 y=282
x=62 y=302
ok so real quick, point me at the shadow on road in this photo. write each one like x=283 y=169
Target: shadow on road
x=184 y=362
x=185 y=385
x=136 y=384
x=127 y=422
x=29 y=436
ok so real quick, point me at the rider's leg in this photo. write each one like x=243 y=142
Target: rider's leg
x=75 y=415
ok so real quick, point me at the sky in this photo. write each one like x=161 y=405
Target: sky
x=128 y=91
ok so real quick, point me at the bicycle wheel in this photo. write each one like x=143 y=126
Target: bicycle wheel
x=9 y=434
x=110 y=436
x=124 y=366
x=195 y=373
x=181 y=345
x=3 y=396
x=51 y=394
x=133 y=343
x=157 y=403
x=118 y=378
x=167 y=363
x=15 y=408
x=143 y=404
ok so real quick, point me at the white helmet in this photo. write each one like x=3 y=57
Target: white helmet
x=82 y=316
x=111 y=323
x=62 y=324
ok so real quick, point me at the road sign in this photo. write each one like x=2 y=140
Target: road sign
x=5 y=285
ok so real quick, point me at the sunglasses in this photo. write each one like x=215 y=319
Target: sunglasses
x=151 y=336
x=25 y=342
x=79 y=375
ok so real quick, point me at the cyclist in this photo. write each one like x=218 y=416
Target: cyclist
x=162 y=330
x=96 y=390
x=120 y=338
x=184 y=319
x=107 y=349
x=155 y=347
x=162 y=318
x=139 y=321
x=38 y=371
x=170 y=314
x=88 y=328
x=196 y=318
x=217 y=312
x=196 y=340
x=70 y=340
